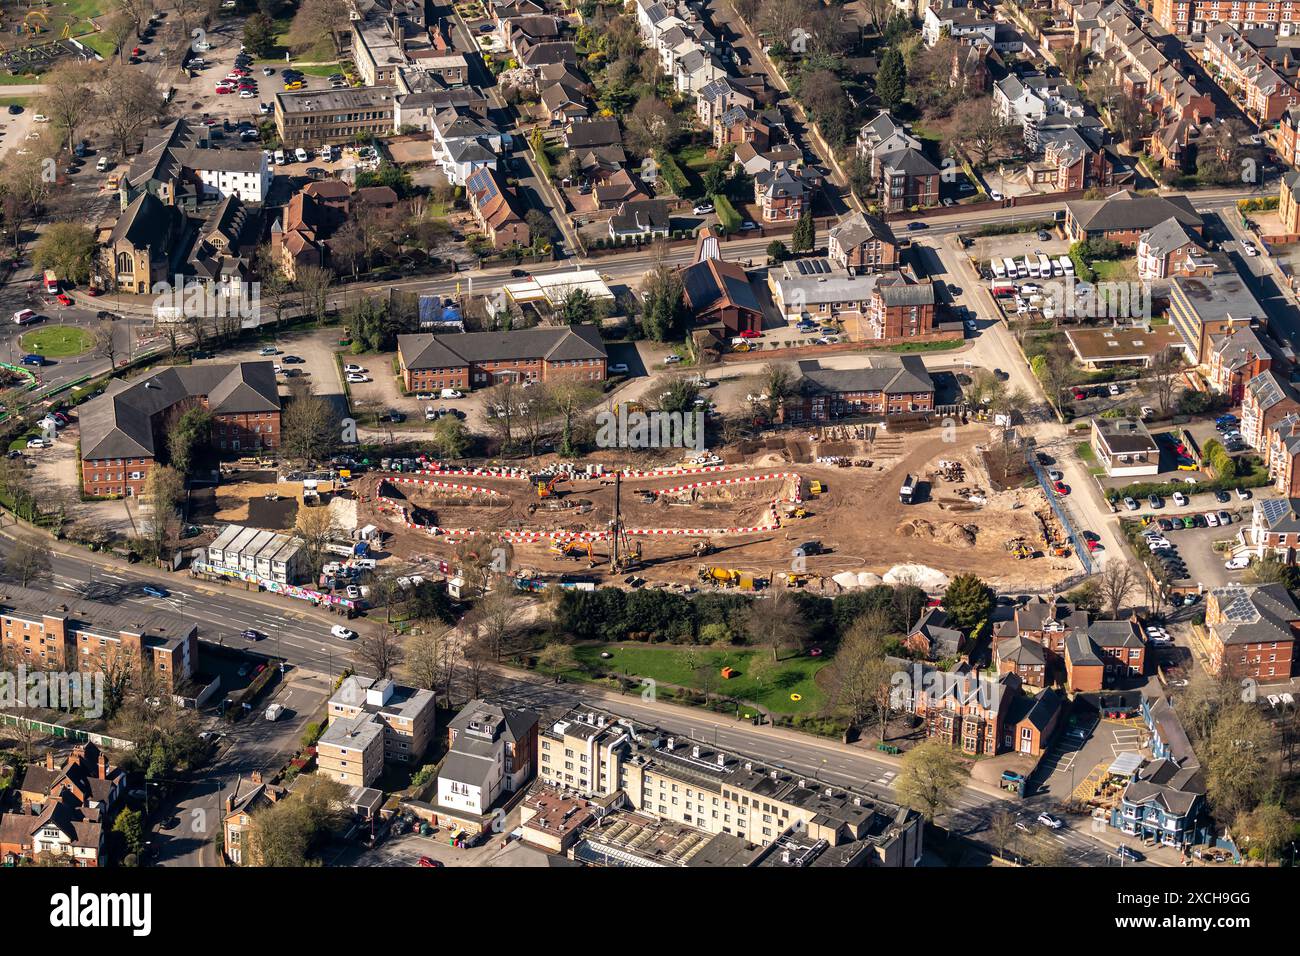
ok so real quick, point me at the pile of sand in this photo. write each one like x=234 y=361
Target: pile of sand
x=918 y=574
x=850 y=580
x=949 y=532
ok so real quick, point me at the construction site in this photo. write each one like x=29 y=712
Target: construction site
x=823 y=510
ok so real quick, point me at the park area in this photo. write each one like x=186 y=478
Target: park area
x=785 y=686
x=57 y=341
x=33 y=36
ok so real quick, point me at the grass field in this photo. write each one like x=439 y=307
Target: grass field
x=57 y=341
x=100 y=44
x=673 y=665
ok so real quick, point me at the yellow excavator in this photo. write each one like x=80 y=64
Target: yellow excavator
x=575 y=550
x=546 y=489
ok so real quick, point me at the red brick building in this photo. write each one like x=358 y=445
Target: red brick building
x=497 y=209
x=49 y=631
x=1251 y=632
x=862 y=243
x=480 y=359
x=889 y=385
x=123 y=430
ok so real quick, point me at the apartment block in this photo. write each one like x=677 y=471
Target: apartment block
x=713 y=791
x=374 y=721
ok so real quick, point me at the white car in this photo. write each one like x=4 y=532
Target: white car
x=1112 y=388
x=353 y=369
x=1238 y=563
x=300 y=154
x=1180 y=499
x=246 y=94
x=452 y=393
x=1047 y=820
x=672 y=359
x=41 y=118
x=343 y=633
x=1056 y=475
x=618 y=368
x=354 y=379
x=430 y=414
x=424 y=396
x=995 y=195
x=1211 y=519
x=702 y=208
x=37 y=443
x=1248 y=248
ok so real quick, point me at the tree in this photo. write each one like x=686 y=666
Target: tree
x=450 y=438
x=577 y=307
x=968 y=601
x=1164 y=373
x=129 y=102
x=778 y=383
x=69 y=97
x=891 y=79
x=185 y=433
x=28 y=562
x=129 y=828
x=930 y=780
x=1115 y=584
x=378 y=651
x=318 y=23
x=541 y=226
x=776 y=251
x=1002 y=831
x=665 y=314
x=822 y=94
x=1237 y=768
x=317 y=527
x=776 y=623
x=805 y=233
x=309 y=428
x=293 y=829
x=496 y=616
x=165 y=489
x=68 y=248
x=982 y=134
x=556 y=659
x=106 y=342
x=652 y=125
x=313 y=284
x=426 y=659
x=259 y=35
x=1267 y=828
x=570 y=398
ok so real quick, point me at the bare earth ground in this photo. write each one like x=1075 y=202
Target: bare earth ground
x=859 y=516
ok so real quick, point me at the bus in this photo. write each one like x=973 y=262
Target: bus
x=51 y=282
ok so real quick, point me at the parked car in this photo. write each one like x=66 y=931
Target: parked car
x=343 y=633
x=1155 y=501
x=1180 y=499
x=1237 y=563
x=618 y=368
x=1243 y=494
x=1130 y=504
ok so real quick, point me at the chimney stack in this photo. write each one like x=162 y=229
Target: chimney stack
x=103 y=767
x=257 y=776
x=49 y=760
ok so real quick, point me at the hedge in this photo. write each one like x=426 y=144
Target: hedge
x=1013 y=228
x=1257 y=478
x=728 y=218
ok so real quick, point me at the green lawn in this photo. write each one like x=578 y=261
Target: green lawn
x=23 y=101
x=100 y=44
x=671 y=666
x=943 y=346
x=57 y=341
x=22 y=80
x=694 y=157
x=1113 y=270
x=82 y=9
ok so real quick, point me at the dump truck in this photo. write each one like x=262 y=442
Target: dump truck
x=908 y=490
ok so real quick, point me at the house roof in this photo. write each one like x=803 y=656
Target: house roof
x=120 y=423
x=428 y=351
x=714 y=284
x=859 y=228
x=890 y=374
x=1126 y=211
x=1258 y=614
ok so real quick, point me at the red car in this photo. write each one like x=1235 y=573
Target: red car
x=92 y=292
x=750 y=334
x=239 y=71
x=225 y=89
x=64 y=299
x=1061 y=488
x=429 y=861
x=1095 y=546
x=1080 y=394
x=135 y=51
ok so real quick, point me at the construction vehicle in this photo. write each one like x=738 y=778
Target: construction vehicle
x=728 y=577
x=624 y=555
x=546 y=488
x=907 y=490
x=571 y=549
x=815 y=488
x=795 y=579
x=797 y=513
x=1059 y=551
x=701 y=549
x=1018 y=548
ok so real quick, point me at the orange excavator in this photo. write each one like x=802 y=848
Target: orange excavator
x=546 y=489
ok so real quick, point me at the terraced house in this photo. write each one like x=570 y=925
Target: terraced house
x=480 y=359
x=124 y=430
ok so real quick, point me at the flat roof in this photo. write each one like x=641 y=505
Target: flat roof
x=553 y=287
x=1119 y=344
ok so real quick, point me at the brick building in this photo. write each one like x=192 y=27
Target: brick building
x=480 y=359
x=1251 y=632
x=123 y=429
x=58 y=632
x=862 y=243
x=889 y=385
x=65 y=809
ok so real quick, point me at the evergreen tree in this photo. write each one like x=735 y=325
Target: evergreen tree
x=891 y=80
x=805 y=234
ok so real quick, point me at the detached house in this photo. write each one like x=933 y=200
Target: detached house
x=65 y=809
x=491 y=753
x=862 y=243
x=785 y=193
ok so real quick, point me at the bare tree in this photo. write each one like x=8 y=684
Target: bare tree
x=28 y=562
x=106 y=342
x=378 y=650
x=313 y=283
x=1115 y=583
x=129 y=101
x=1165 y=370
x=776 y=623
x=69 y=97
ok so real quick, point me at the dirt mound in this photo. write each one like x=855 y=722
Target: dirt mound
x=949 y=532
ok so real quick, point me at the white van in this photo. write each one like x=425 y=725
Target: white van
x=300 y=154
x=450 y=393
x=102 y=165
x=1067 y=264
x=279 y=157
x=999 y=270
x=274 y=711
x=1010 y=265
x=23 y=316
x=343 y=633
x=1032 y=263
x=1022 y=270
